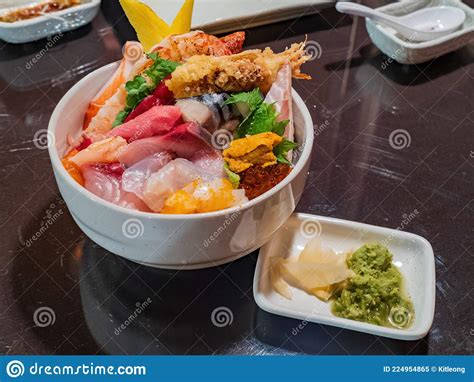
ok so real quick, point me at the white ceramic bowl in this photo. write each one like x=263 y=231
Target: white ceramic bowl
x=49 y=24
x=173 y=241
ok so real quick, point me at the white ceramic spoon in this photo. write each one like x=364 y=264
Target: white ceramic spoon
x=422 y=25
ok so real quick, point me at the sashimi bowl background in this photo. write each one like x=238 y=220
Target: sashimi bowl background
x=173 y=241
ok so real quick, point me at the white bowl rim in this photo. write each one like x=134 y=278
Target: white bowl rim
x=61 y=171
x=39 y=19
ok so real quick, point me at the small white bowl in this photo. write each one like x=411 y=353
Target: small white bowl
x=49 y=24
x=404 y=51
x=173 y=241
x=412 y=254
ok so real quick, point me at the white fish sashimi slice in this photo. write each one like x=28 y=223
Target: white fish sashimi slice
x=280 y=95
x=134 y=178
x=172 y=177
x=195 y=111
x=108 y=187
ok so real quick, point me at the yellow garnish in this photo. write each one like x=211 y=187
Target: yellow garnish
x=253 y=150
x=151 y=28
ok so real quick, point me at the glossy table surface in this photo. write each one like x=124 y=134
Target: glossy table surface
x=358 y=173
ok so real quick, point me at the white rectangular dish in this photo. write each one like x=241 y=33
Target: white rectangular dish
x=404 y=51
x=49 y=24
x=218 y=16
x=412 y=254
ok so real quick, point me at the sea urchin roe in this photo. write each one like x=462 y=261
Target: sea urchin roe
x=257 y=180
x=252 y=150
x=200 y=196
x=374 y=294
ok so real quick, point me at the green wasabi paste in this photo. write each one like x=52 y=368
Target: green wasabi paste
x=374 y=294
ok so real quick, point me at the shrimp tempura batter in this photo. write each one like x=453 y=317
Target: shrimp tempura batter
x=235 y=73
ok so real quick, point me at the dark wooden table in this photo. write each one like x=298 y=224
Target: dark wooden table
x=356 y=100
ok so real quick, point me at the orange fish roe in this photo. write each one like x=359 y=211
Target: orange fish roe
x=257 y=180
x=72 y=168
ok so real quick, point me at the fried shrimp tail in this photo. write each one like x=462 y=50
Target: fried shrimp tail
x=235 y=73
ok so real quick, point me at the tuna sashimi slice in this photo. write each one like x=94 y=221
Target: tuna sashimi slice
x=161 y=96
x=146 y=104
x=155 y=121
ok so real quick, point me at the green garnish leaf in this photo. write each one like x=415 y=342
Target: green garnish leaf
x=262 y=117
x=282 y=149
x=160 y=68
x=262 y=120
x=120 y=118
x=138 y=88
x=233 y=177
x=253 y=99
x=279 y=127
